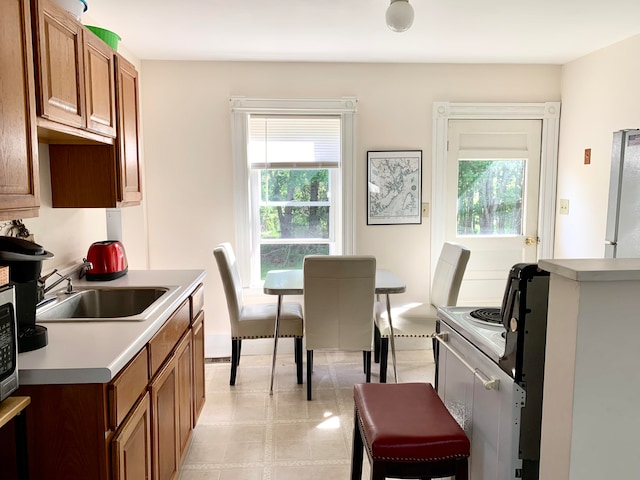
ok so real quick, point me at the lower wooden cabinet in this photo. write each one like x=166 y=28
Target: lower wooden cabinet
x=136 y=427
x=184 y=371
x=164 y=422
x=197 y=332
x=171 y=405
x=131 y=447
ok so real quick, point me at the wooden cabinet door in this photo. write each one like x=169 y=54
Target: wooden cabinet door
x=128 y=128
x=99 y=73
x=131 y=447
x=197 y=331
x=185 y=374
x=19 y=181
x=59 y=65
x=164 y=422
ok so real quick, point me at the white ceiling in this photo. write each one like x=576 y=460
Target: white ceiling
x=444 y=31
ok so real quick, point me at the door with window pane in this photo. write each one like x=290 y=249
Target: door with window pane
x=493 y=177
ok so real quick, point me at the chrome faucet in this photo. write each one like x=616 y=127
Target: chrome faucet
x=80 y=269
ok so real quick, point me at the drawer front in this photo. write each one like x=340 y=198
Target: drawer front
x=197 y=301
x=163 y=342
x=127 y=387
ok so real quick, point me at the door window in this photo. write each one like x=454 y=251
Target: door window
x=490 y=197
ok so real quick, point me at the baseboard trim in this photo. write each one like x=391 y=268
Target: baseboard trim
x=219 y=346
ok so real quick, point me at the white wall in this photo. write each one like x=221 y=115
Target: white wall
x=189 y=172
x=599 y=95
x=66 y=232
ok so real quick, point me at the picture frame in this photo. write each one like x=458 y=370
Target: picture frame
x=394 y=187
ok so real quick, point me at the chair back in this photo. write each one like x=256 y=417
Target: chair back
x=448 y=275
x=339 y=293
x=226 y=260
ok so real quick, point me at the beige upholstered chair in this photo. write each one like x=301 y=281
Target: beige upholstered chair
x=339 y=295
x=419 y=319
x=254 y=321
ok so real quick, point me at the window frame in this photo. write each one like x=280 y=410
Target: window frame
x=241 y=108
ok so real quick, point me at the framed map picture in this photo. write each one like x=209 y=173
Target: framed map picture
x=394 y=187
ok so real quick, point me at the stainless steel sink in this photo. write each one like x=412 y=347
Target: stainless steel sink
x=105 y=304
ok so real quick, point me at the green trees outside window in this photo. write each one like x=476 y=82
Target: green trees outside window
x=490 y=197
x=294 y=205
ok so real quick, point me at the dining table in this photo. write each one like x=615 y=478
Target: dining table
x=291 y=282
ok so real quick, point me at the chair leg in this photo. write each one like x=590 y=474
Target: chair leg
x=235 y=355
x=376 y=344
x=309 y=371
x=367 y=364
x=298 y=355
x=384 y=353
x=239 y=350
x=364 y=362
x=356 y=450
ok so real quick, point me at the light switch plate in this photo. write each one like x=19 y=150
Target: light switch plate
x=425 y=210
x=564 y=206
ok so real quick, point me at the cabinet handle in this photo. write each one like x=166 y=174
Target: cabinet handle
x=490 y=383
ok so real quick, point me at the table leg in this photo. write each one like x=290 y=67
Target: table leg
x=275 y=342
x=392 y=339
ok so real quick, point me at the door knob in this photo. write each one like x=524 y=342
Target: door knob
x=528 y=241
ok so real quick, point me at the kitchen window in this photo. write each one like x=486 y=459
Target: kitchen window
x=294 y=181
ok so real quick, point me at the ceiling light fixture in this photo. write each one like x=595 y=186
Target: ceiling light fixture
x=399 y=15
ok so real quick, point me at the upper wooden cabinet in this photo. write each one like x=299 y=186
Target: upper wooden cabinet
x=103 y=176
x=99 y=75
x=19 y=182
x=74 y=78
x=128 y=126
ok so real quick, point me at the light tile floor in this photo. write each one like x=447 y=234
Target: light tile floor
x=245 y=434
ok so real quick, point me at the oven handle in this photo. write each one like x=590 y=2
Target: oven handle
x=490 y=383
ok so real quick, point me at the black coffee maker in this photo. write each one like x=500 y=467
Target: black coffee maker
x=24 y=259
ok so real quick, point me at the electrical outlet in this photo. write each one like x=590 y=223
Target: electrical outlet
x=587 y=156
x=564 y=206
x=425 y=209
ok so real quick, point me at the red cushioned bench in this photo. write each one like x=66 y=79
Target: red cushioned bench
x=408 y=433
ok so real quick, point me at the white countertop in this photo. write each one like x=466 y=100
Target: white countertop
x=95 y=351
x=594 y=269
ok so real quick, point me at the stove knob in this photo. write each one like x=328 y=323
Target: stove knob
x=514 y=324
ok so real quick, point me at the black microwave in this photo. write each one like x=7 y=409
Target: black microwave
x=8 y=343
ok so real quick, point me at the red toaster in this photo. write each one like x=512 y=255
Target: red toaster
x=108 y=259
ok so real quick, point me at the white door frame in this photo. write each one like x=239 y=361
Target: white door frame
x=548 y=112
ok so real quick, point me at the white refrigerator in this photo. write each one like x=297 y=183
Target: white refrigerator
x=622 y=238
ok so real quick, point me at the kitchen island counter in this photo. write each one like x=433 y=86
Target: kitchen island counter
x=95 y=351
x=591 y=387
x=594 y=269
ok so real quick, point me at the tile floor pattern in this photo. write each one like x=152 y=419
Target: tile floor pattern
x=245 y=434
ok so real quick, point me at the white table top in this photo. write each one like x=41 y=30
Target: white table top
x=95 y=351
x=290 y=282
